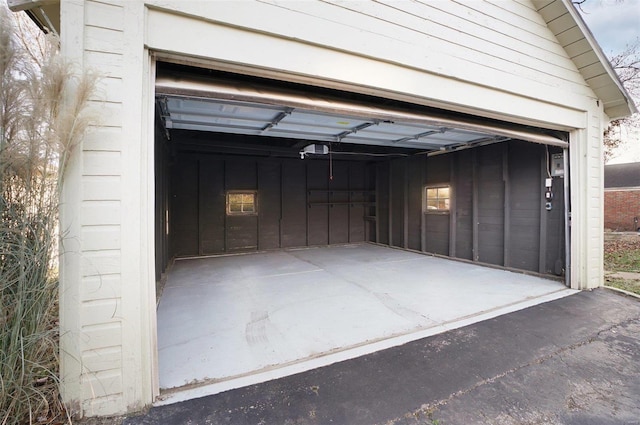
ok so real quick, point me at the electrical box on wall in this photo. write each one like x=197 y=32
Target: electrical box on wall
x=557 y=165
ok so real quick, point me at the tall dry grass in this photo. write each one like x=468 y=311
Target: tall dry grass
x=43 y=115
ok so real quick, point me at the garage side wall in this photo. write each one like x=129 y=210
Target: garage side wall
x=497 y=207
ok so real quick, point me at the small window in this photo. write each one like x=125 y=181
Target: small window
x=437 y=199
x=241 y=203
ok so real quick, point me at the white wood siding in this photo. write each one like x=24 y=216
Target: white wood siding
x=492 y=58
x=502 y=45
x=101 y=359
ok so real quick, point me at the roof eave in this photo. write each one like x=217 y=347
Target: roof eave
x=605 y=83
x=45 y=13
x=617 y=109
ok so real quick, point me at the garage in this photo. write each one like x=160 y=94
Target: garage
x=285 y=211
x=343 y=143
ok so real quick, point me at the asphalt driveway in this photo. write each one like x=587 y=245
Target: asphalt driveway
x=575 y=360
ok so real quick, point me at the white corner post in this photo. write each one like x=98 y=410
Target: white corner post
x=70 y=269
x=587 y=196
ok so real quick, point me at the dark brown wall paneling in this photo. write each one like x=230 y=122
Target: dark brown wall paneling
x=242 y=231
x=318 y=197
x=298 y=204
x=463 y=171
x=294 y=204
x=212 y=206
x=525 y=196
x=338 y=226
x=358 y=194
x=398 y=186
x=269 y=204
x=161 y=182
x=416 y=168
x=371 y=220
x=490 y=205
x=555 y=249
x=183 y=231
x=437 y=224
x=498 y=205
x=382 y=202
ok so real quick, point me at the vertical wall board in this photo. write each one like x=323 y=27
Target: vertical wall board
x=398 y=187
x=555 y=248
x=542 y=245
x=293 y=225
x=416 y=167
x=452 y=205
x=160 y=177
x=318 y=215
x=382 y=201
x=184 y=208
x=357 y=212
x=339 y=210
x=371 y=211
x=437 y=224
x=241 y=174
x=437 y=230
x=506 y=234
x=464 y=204
x=241 y=231
x=438 y=170
x=524 y=205
x=212 y=206
x=490 y=205
x=269 y=203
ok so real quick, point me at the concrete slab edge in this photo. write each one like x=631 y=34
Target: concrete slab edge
x=629 y=293
x=178 y=395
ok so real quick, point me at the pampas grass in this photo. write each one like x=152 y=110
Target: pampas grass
x=43 y=115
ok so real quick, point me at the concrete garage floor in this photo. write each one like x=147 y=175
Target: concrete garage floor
x=232 y=321
x=572 y=361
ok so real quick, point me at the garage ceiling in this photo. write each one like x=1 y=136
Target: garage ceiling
x=193 y=103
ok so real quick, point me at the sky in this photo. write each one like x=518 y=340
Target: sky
x=615 y=24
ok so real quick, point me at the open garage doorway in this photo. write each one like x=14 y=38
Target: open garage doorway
x=303 y=223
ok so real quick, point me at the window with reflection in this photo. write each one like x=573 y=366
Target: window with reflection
x=437 y=199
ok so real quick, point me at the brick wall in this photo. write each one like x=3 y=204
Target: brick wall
x=621 y=207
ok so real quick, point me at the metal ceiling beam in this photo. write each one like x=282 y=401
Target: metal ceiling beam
x=277 y=119
x=355 y=129
x=421 y=135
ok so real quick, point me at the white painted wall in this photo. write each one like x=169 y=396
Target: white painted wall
x=496 y=59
